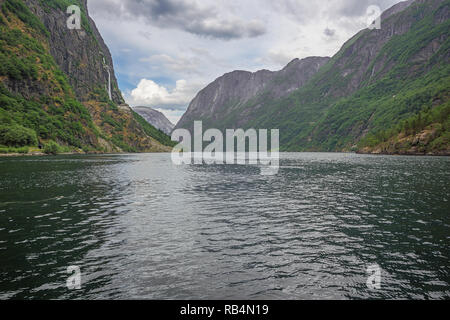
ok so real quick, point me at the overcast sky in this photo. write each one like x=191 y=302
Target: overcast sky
x=165 y=51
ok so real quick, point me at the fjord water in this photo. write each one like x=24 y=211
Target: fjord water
x=140 y=227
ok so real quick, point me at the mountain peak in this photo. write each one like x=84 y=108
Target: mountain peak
x=377 y=79
x=228 y=93
x=155 y=118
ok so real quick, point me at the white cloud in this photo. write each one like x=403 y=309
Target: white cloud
x=149 y=93
x=179 y=64
x=168 y=40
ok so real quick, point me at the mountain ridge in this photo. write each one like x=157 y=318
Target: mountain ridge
x=376 y=80
x=238 y=87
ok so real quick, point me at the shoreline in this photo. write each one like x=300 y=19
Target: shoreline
x=41 y=154
x=431 y=154
x=38 y=154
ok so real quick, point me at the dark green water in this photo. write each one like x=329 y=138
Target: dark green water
x=140 y=227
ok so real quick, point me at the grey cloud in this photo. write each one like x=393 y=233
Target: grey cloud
x=185 y=15
x=298 y=10
x=224 y=29
x=305 y=11
x=165 y=11
x=329 y=32
x=178 y=64
x=355 y=8
x=106 y=7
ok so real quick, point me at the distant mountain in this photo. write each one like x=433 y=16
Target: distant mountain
x=216 y=105
x=379 y=80
x=59 y=84
x=156 y=119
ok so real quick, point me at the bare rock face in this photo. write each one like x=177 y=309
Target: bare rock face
x=333 y=108
x=156 y=119
x=70 y=83
x=81 y=54
x=242 y=88
x=362 y=51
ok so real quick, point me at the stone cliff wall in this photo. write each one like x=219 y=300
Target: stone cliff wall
x=81 y=54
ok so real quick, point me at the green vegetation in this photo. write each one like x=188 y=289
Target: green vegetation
x=56 y=115
x=52 y=147
x=118 y=140
x=434 y=120
x=66 y=123
x=100 y=94
x=151 y=131
x=63 y=5
x=21 y=150
x=20 y=63
x=380 y=107
x=325 y=115
x=17 y=136
x=19 y=9
x=39 y=106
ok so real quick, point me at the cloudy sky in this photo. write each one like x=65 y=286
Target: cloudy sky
x=165 y=51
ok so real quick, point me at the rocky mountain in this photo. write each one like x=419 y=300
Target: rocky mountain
x=218 y=101
x=379 y=79
x=58 y=84
x=155 y=118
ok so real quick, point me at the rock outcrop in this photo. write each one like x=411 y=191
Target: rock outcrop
x=233 y=90
x=60 y=82
x=81 y=54
x=378 y=78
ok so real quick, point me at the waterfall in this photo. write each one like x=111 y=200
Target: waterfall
x=109 y=84
x=109 y=77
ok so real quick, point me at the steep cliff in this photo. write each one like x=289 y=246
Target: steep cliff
x=60 y=83
x=378 y=79
x=216 y=104
x=155 y=118
x=382 y=77
x=81 y=54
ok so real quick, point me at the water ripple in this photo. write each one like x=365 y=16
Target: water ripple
x=140 y=227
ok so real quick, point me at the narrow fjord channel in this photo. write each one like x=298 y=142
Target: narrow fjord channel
x=140 y=227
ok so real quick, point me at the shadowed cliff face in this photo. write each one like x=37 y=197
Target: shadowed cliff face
x=81 y=54
x=233 y=90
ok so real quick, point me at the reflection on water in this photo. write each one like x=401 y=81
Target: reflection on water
x=140 y=227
